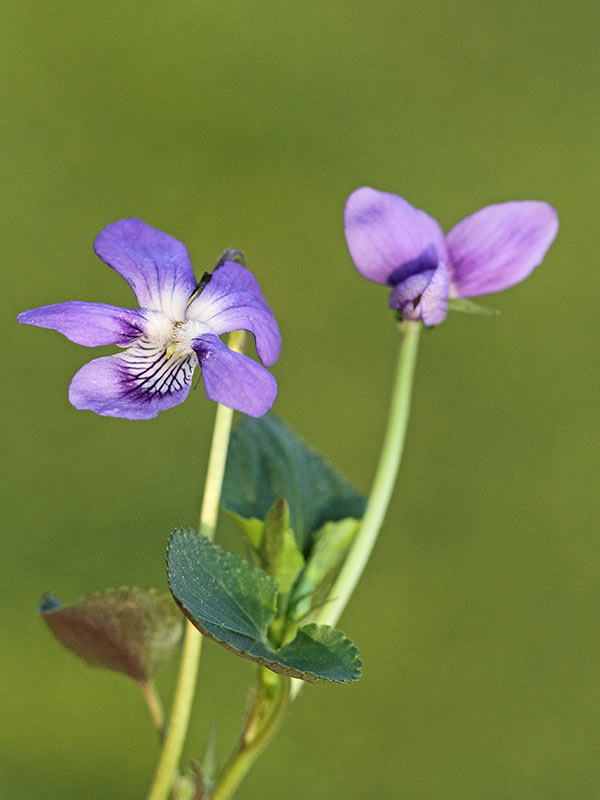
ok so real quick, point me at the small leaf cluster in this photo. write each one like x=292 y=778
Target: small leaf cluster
x=298 y=516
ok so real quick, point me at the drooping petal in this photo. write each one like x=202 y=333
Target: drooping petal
x=385 y=233
x=234 y=380
x=406 y=295
x=233 y=300
x=136 y=384
x=434 y=300
x=423 y=296
x=154 y=264
x=90 y=324
x=500 y=245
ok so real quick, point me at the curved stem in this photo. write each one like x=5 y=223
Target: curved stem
x=186 y=683
x=262 y=722
x=383 y=484
x=154 y=704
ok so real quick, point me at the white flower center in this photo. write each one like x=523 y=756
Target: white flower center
x=175 y=337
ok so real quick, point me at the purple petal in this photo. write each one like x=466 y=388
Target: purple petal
x=385 y=233
x=234 y=380
x=154 y=264
x=90 y=324
x=423 y=296
x=500 y=245
x=136 y=384
x=233 y=301
x=434 y=300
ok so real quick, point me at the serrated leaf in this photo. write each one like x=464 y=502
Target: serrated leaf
x=267 y=461
x=323 y=651
x=330 y=545
x=233 y=602
x=129 y=630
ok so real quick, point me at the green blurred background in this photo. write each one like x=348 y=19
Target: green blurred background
x=247 y=124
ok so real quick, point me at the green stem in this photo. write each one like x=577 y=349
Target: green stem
x=154 y=704
x=188 y=670
x=383 y=484
x=262 y=722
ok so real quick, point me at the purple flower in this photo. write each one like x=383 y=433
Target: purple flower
x=176 y=327
x=393 y=243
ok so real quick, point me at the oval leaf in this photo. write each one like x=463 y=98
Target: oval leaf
x=133 y=631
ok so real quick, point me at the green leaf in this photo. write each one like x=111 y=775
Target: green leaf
x=253 y=529
x=129 y=630
x=273 y=544
x=233 y=602
x=466 y=306
x=267 y=461
x=278 y=551
x=326 y=555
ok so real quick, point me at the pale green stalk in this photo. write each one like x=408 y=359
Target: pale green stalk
x=188 y=670
x=383 y=485
x=251 y=745
x=155 y=708
x=262 y=722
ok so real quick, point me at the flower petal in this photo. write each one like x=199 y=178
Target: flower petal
x=233 y=300
x=500 y=245
x=136 y=384
x=385 y=233
x=154 y=264
x=434 y=300
x=423 y=296
x=90 y=324
x=234 y=380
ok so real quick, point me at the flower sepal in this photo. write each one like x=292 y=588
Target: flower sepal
x=465 y=306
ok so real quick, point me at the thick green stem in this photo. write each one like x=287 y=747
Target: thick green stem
x=188 y=670
x=263 y=719
x=383 y=484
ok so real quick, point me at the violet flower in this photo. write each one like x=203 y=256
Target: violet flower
x=393 y=243
x=177 y=327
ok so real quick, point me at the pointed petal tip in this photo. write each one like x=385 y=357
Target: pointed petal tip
x=89 y=324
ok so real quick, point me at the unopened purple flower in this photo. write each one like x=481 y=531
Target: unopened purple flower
x=393 y=243
x=177 y=326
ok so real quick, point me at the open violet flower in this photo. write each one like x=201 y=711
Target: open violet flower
x=177 y=327
x=392 y=242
